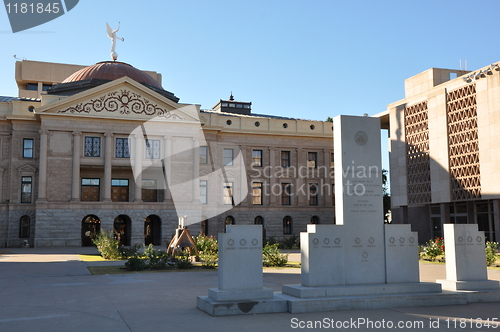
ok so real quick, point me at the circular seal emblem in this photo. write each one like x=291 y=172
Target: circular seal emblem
x=337 y=240
x=469 y=238
x=357 y=240
x=361 y=138
x=401 y=240
x=412 y=239
x=230 y=242
x=255 y=242
x=371 y=240
x=479 y=239
x=326 y=241
x=243 y=242
x=460 y=239
x=392 y=240
x=315 y=241
x=365 y=255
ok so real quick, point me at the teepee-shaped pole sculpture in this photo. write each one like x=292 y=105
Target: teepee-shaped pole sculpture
x=183 y=239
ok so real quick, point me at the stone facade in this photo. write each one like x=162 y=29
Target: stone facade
x=70 y=168
x=443 y=151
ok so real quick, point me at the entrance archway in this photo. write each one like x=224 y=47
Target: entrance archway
x=121 y=227
x=152 y=230
x=91 y=226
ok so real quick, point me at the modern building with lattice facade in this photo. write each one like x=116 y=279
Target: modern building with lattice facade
x=444 y=151
x=105 y=147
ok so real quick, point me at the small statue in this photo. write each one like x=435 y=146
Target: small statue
x=112 y=35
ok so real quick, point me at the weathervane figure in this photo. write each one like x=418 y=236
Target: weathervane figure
x=112 y=35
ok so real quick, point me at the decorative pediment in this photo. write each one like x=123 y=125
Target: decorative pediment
x=123 y=101
x=123 y=98
x=26 y=169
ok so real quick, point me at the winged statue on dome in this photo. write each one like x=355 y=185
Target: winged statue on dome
x=112 y=35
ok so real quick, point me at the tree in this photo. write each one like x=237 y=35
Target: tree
x=329 y=119
x=386 y=196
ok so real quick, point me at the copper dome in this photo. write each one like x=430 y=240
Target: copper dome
x=112 y=70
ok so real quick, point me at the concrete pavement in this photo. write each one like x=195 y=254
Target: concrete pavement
x=51 y=289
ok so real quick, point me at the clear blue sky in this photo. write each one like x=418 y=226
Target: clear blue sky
x=305 y=59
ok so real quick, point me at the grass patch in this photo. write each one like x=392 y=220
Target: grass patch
x=95 y=258
x=288 y=265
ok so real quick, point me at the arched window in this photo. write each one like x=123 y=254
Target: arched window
x=314 y=220
x=24 y=227
x=204 y=226
x=91 y=226
x=229 y=220
x=287 y=225
x=259 y=220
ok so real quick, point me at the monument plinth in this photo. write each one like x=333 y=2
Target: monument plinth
x=466 y=263
x=240 y=287
x=359 y=263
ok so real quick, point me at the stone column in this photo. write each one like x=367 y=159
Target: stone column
x=139 y=143
x=301 y=183
x=108 y=153
x=272 y=181
x=75 y=182
x=168 y=167
x=196 y=171
x=1 y=184
x=243 y=191
x=42 y=181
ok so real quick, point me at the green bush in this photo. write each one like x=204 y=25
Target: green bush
x=272 y=256
x=491 y=255
x=290 y=242
x=271 y=240
x=135 y=264
x=183 y=261
x=208 y=261
x=156 y=259
x=206 y=244
x=434 y=248
x=130 y=252
x=107 y=245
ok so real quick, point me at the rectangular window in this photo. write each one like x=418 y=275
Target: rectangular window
x=332 y=161
x=122 y=149
x=285 y=159
x=119 y=190
x=313 y=194
x=333 y=194
x=286 y=193
x=312 y=158
x=203 y=191
x=228 y=193
x=148 y=191
x=27 y=148
x=257 y=193
x=228 y=157
x=92 y=147
x=204 y=154
x=152 y=149
x=257 y=158
x=26 y=189
x=90 y=190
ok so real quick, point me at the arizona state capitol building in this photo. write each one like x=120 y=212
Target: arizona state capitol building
x=106 y=147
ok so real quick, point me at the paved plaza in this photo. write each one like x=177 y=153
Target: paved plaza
x=51 y=289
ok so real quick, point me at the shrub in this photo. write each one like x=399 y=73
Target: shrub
x=272 y=256
x=107 y=245
x=130 y=252
x=182 y=260
x=208 y=261
x=135 y=264
x=290 y=242
x=271 y=240
x=491 y=255
x=156 y=259
x=206 y=244
x=434 y=248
